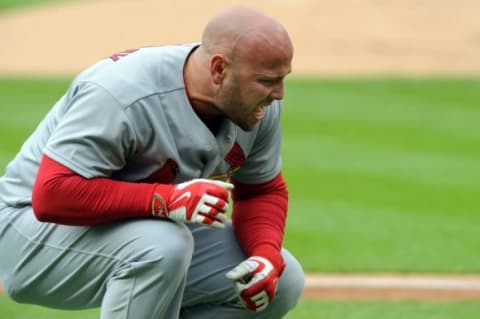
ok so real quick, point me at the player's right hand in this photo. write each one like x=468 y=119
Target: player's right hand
x=199 y=201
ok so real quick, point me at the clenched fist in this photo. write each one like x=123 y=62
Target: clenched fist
x=199 y=201
x=255 y=282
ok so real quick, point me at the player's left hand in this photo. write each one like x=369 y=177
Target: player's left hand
x=255 y=282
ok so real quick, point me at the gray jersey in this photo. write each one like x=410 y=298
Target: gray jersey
x=128 y=117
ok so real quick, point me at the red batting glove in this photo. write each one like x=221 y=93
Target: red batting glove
x=199 y=201
x=255 y=282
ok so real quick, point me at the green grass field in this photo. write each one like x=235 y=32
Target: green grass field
x=305 y=310
x=383 y=176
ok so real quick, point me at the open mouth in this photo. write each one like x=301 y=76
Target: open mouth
x=260 y=111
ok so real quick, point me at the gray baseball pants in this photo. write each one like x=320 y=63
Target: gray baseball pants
x=137 y=269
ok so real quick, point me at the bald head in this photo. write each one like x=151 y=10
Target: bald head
x=239 y=68
x=239 y=30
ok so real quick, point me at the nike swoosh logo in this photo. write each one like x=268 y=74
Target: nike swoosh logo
x=185 y=195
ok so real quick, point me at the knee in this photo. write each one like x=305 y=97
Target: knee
x=169 y=247
x=290 y=285
x=179 y=250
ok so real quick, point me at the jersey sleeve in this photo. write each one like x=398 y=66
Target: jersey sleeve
x=93 y=136
x=263 y=163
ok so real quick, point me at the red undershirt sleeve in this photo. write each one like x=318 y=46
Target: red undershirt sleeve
x=259 y=215
x=62 y=196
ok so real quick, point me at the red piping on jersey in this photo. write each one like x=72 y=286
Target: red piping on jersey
x=62 y=196
x=259 y=214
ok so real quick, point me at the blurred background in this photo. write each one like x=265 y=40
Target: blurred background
x=330 y=37
x=380 y=118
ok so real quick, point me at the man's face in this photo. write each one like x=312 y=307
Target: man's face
x=251 y=86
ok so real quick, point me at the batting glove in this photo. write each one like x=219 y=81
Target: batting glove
x=199 y=201
x=255 y=282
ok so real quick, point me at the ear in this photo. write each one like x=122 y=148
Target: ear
x=218 y=66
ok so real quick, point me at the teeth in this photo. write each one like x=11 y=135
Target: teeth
x=260 y=112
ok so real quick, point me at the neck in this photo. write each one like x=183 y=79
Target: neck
x=199 y=91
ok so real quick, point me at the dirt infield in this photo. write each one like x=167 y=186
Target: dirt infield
x=392 y=287
x=330 y=36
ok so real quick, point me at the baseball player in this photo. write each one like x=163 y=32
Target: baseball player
x=118 y=199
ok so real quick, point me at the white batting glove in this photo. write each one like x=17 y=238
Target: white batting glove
x=199 y=201
x=255 y=282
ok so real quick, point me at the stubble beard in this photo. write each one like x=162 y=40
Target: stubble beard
x=231 y=101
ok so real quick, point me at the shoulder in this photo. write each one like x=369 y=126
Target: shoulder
x=132 y=75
